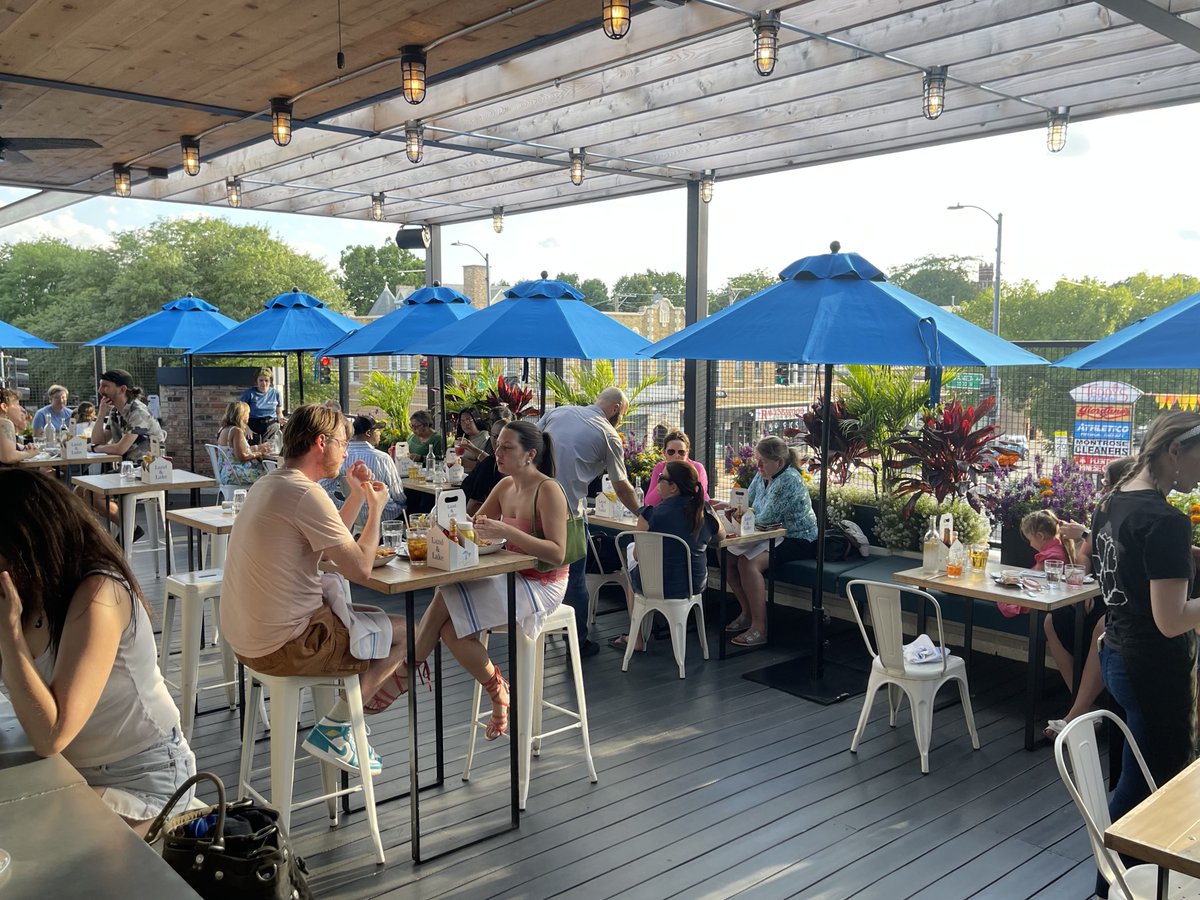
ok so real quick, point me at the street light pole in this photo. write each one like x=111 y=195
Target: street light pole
x=999 y=220
x=487 y=270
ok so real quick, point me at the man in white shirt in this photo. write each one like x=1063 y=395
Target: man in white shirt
x=274 y=612
x=586 y=445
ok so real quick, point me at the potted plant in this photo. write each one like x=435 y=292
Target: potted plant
x=848 y=452
x=641 y=456
x=1065 y=490
x=740 y=464
x=902 y=521
x=583 y=384
x=393 y=396
x=1189 y=505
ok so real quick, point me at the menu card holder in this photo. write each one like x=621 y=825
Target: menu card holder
x=450 y=555
x=160 y=472
x=76 y=448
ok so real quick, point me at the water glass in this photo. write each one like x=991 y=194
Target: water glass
x=127 y=470
x=1074 y=575
x=1054 y=571
x=239 y=500
x=393 y=534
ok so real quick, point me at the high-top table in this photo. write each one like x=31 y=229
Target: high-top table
x=64 y=841
x=1164 y=829
x=400 y=577
x=983 y=587
x=215 y=521
x=58 y=461
x=773 y=535
x=428 y=487
x=127 y=489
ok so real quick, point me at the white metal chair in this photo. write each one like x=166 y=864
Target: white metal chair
x=920 y=682
x=530 y=667
x=155 y=504
x=597 y=580
x=224 y=489
x=1077 y=752
x=191 y=591
x=652 y=552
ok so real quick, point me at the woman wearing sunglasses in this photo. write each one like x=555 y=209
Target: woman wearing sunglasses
x=676 y=448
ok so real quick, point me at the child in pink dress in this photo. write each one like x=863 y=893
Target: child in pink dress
x=1040 y=529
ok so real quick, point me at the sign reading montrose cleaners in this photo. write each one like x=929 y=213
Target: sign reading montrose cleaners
x=1103 y=423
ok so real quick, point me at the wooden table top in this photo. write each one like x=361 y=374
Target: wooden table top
x=730 y=539
x=1164 y=829
x=114 y=485
x=208 y=519
x=39 y=462
x=984 y=588
x=399 y=577
x=427 y=487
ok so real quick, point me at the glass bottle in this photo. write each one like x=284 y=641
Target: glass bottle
x=929 y=548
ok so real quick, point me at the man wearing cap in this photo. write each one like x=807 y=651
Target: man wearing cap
x=366 y=433
x=124 y=426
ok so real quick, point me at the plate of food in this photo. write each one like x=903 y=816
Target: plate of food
x=383 y=556
x=487 y=546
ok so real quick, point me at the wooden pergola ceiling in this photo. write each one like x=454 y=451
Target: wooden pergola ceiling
x=513 y=87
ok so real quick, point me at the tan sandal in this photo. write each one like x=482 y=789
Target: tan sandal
x=751 y=638
x=497 y=689
x=396 y=686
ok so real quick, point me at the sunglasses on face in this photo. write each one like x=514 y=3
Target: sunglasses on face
x=671 y=452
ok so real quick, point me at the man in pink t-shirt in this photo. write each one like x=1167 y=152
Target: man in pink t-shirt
x=273 y=611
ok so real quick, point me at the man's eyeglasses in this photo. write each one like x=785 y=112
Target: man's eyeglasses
x=336 y=440
x=671 y=452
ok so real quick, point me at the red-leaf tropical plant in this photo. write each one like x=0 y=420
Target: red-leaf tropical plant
x=952 y=450
x=519 y=399
x=847 y=451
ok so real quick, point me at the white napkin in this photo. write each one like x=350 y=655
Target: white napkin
x=923 y=650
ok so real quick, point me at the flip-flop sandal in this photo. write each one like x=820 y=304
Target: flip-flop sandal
x=621 y=642
x=737 y=625
x=751 y=638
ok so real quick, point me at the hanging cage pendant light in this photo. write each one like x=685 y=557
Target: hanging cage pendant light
x=617 y=16
x=766 y=41
x=933 y=90
x=233 y=192
x=412 y=73
x=497 y=219
x=122 y=180
x=578 y=155
x=706 y=185
x=414 y=141
x=1056 y=128
x=377 y=206
x=191 y=154
x=281 y=121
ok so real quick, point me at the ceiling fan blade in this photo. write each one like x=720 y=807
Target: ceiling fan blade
x=47 y=143
x=8 y=154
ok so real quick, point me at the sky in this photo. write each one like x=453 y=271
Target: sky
x=1116 y=201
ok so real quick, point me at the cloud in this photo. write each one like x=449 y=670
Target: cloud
x=549 y=244
x=62 y=226
x=1188 y=234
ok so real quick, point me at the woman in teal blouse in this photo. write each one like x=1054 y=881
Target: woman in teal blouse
x=779 y=498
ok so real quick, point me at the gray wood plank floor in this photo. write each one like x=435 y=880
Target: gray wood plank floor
x=710 y=787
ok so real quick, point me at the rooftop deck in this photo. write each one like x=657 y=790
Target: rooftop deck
x=713 y=786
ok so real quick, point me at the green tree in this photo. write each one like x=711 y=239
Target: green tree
x=944 y=280
x=595 y=291
x=739 y=287
x=366 y=270
x=39 y=277
x=633 y=292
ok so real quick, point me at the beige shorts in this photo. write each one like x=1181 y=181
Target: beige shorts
x=321 y=649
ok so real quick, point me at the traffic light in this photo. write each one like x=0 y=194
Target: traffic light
x=424 y=370
x=782 y=374
x=325 y=375
x=15 y=373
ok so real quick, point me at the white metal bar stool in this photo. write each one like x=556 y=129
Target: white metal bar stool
x=285 y=719
x=156 y=522
x=193 y=590
x=530 y=665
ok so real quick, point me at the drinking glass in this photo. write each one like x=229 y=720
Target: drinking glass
x=418 y=546
x=239 y=500
x=127 y=470
x=1054 y=571
x=979 y=558
x=393 y=534
x=1074 y=575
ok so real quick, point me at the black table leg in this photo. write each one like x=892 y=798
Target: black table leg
x=514 y=718
x=771 y=591
x=724 y=593
x=1080 y=648
x=1036 y=664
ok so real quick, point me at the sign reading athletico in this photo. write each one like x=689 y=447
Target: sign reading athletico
x=1103 y=423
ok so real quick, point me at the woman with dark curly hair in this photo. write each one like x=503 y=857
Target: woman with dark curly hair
x=77 y=652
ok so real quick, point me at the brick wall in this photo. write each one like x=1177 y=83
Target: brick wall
x=210 y=403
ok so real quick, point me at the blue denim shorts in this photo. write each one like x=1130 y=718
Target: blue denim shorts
x=138 y=787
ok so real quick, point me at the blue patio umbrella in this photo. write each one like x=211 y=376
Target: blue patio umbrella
x=13 y=338
x=422 y=312
x=1164 y=340
x=838 y=308
x=542 y=319
x=179 y=325
x=291 y=322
